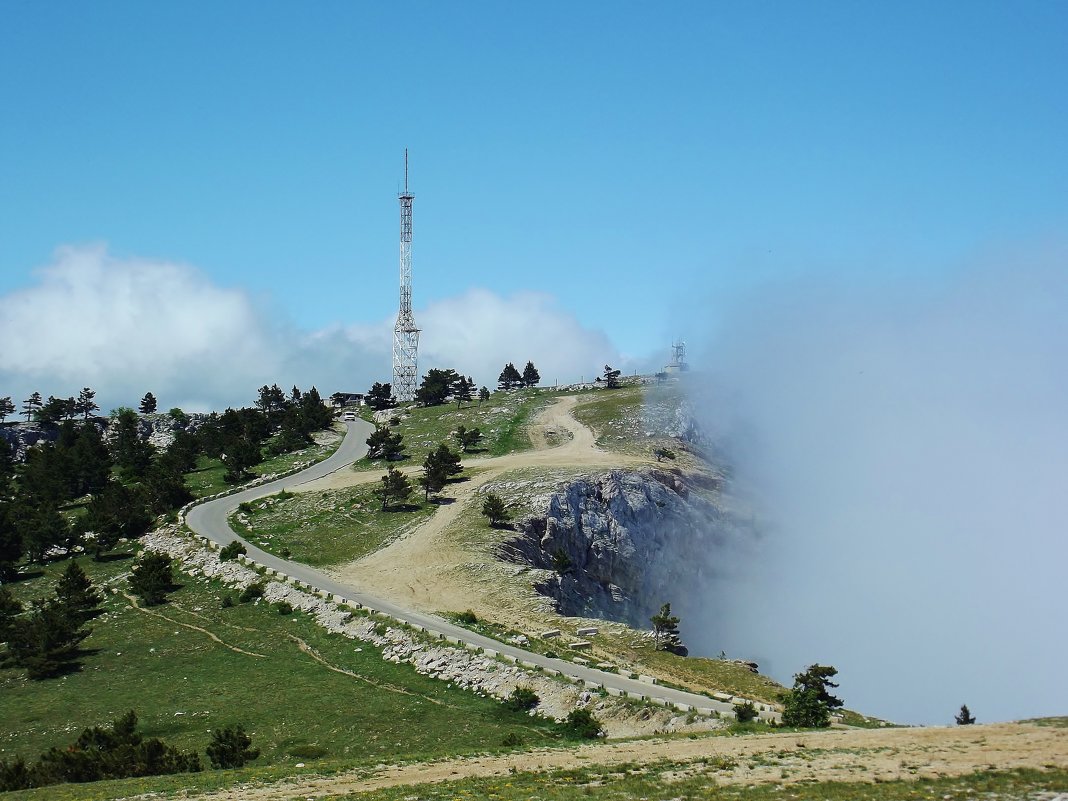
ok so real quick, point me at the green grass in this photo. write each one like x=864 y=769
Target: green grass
x=502 y=419
x=207 y=477
x=857 y=720
x=665 y=781
x=519 y=489
x=289 y=702
x=702 y=674
x=287 y=461
x=613 y=414
x=633 y=419
x=1057 y=722
x=327 y=528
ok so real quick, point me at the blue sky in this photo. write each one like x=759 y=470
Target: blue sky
x=634 y=161
x=833 y=202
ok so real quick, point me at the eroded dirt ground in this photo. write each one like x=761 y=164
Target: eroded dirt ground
x=784 y=758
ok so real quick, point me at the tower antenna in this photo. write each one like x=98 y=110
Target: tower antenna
x=405 y=333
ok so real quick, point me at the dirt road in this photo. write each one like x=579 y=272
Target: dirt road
x=832 y=755
x=416 y=570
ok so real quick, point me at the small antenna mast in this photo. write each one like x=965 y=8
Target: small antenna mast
x=406 y=171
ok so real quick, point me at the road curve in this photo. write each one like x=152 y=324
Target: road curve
x=209 y=519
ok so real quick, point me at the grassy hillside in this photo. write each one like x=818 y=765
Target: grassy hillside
x=207 y=477
x=685 y=780
x=639 y=419
x=503 y=421
x=330 y=527
x=191 y=665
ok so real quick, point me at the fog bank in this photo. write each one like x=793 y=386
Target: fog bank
x=905 y=454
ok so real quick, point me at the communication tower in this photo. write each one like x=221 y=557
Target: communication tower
x=678 y=358
x=405 y=333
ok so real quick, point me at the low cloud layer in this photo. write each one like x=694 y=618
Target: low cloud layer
x=479 y=332
x=126 y=326
x=904 y=450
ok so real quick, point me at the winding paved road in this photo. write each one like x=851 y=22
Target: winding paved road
x=209 y=519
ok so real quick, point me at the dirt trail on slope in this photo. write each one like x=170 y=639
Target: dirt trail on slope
x=417 y=570
x=835 y=755
x=580 y=449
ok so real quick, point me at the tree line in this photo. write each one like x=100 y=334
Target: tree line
x=45 y=638
x=56 y=409
x=442 y=385
x=438 y=387
x=87 y=491
x=120 y=751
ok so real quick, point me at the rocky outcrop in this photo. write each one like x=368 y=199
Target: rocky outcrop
x=619 y=544
x=23 y=436
x=157 y=429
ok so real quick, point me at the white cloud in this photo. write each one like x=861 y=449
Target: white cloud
x=478 y=332
x=126 y=326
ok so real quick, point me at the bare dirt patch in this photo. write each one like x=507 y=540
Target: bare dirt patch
x=419 y=569
x=786 y=758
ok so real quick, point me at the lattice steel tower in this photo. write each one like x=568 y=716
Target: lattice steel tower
x=405 y=333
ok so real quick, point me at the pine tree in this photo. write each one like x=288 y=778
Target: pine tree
x=434 y=477
x=483 y=395
x=467 y=438
x=85 y=405
x=148 y=404
x=611 y=377
x=464 y=388
x=395 y=488
x=271 y=402
x=46 y=641
x=163 y=487
x=152 y=577
x=531 y=376
x=9 y=609
x=241 y=454
x=116 y=511
x=386 y=444
x=965 y=717
x=11 y=545
x=77 y=594
x=31 y=405
x=42 y=528
x=229 y=748
x=509 y=377
x=449 y=461
x=494 y=509
x=809 y=703
x=131 y=453
x=380 y=396
x=7 y=465
x=314 y=413
x=665 y=629
x=437 y=386
x=6 y=408
x=90 y=461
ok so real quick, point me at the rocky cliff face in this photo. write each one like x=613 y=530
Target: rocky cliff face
x=21 y=436
x=621 y=543
x=158 y=429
